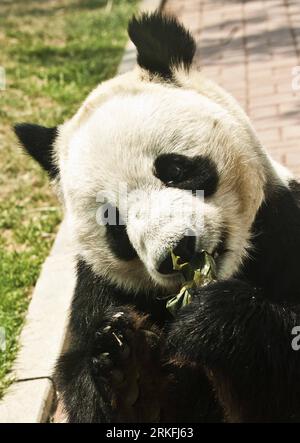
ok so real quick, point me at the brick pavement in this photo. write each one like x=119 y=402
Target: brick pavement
x=251 y=48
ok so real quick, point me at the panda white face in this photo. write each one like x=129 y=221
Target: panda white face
x=141 y=149
x=142 y=153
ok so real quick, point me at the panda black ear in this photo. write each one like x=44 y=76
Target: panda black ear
x=162 y=43
x=38 y=142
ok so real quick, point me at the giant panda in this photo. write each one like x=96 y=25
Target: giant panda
x=164 y=131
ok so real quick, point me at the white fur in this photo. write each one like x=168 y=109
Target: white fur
x=115 y=138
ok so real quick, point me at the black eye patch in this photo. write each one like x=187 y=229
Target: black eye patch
x=189 y=173
x=118 y=239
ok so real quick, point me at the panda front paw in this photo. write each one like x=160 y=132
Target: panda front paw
x=124 y=359
x=110 y=360
x=111 y=344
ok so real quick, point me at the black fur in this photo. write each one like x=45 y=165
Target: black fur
x=191 y=173
x=87 y=396
x=244 y=342
x=273 y=263
x=38 y=142
x=101 y=294
x=118 y=240
x=227 y=356
x=86 y=379
x=162 y=43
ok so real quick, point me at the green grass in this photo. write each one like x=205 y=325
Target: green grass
x=54 y=52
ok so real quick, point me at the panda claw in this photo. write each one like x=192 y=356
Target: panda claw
x=112 y=348
x=118 y=315
x=118 y=339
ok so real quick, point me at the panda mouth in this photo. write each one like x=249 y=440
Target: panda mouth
x=167 y=273
x=217 y=254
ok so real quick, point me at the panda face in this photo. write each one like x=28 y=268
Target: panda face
x=151 y=168
x=155 y=160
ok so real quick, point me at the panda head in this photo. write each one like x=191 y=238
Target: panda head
x=155 y=160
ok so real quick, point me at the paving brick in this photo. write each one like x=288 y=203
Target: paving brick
x=282 y=146
x=261 y=66
x=291 y=132
x=265 y=111
x=250 y=48
x=284 y=72
x=259 y=75
x=263 y=90
x=291 y=110
x=267 y=123
x=284 y=86
x=267 y=135
x=273 y=99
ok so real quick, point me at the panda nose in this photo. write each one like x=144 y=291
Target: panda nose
x=185 y=249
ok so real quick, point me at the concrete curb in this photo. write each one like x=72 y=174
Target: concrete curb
x=30 y=398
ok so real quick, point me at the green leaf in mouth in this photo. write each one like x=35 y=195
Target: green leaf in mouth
x=200 y=271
